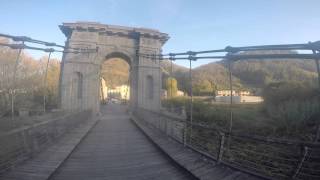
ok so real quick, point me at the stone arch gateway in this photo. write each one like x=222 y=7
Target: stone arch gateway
x=109 y=41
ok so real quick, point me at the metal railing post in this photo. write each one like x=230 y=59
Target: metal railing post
x=231 y=100
x=45 y=83
x=317 y=136
x=191 y=58
x=221 y=146
x=14 y=81
x=303 y=158
x=185 y=127
x=166 y=126
x=185 y=133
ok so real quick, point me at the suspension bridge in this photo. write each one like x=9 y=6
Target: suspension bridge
x=142 y=140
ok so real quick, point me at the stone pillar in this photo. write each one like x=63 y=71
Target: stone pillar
x=149 y=68
x=80 y=83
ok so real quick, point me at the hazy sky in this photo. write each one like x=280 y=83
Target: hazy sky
x=191 y=24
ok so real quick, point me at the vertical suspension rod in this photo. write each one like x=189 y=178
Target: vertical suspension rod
x=14 y=81
x=231 y=102
x=231 y=95
x=45 y=83
x=317 y=136
x=191 y=58
x=171 y=80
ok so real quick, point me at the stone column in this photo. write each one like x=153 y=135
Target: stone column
x=80 y=82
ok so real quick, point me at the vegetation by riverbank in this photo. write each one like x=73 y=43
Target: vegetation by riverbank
x=294 y=116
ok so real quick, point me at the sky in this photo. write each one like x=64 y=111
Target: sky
x=191 y=24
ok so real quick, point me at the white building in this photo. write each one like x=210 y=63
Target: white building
x=180 y=93
x=103 y=90
x=239 y=99
x=224 y=96
x=234 y=93
x=164 y=93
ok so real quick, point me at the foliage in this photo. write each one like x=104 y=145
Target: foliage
x=171 y=86
x=251 y=74
x=294 y=106
x=177 y=102
x=28 y=85
x=115 y=72
x=257 y=73
x=291 y=119
x=178 y=72
x=279 y=92
x=204 y=88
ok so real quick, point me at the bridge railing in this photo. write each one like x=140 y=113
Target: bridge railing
x=276 y=158
x=169 y=123
x=281 y=159
x=22 y=143
x=265 y=157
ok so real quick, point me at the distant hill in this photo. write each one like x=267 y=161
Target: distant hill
x=166 y=67
x=251 y=74
x=259 y=73
x=115 y=72
x=179 y=72
x=246 y=74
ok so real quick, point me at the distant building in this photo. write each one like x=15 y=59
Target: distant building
x=180 y=93
x=244 y=93
x=225 y=93
x=103 y=90
x=251 y=99
x=224 y=96
x=164 y=93
x=239 y=99
x=234 y=93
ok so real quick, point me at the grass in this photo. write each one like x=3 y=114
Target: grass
x=247 y=118
x=271 y=159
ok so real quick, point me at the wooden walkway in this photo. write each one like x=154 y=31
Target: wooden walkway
x=116 y=149
x=44 y=163
x=199 y=165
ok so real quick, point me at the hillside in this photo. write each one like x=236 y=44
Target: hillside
x=250 y=74
x=179 y=72
x=115 y=72
x=259 y=73
x=247 y=74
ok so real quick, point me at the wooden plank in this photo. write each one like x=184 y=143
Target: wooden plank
x=194 y=162
x=46 y=162
x=116 y=149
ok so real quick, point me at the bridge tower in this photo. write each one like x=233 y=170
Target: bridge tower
x=80 y=73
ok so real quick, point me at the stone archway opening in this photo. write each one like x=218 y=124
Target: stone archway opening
x=115 y=79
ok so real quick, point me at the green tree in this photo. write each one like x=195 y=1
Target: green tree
x=279 y=92
x=294 y=106
x=171 y=86
x=28 y=86
x=204 y=88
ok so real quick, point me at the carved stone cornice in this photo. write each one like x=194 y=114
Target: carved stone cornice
x=113 y=30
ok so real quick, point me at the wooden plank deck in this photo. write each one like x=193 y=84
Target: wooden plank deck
x=201 y=167
x=42 y=165
x=116 y=149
